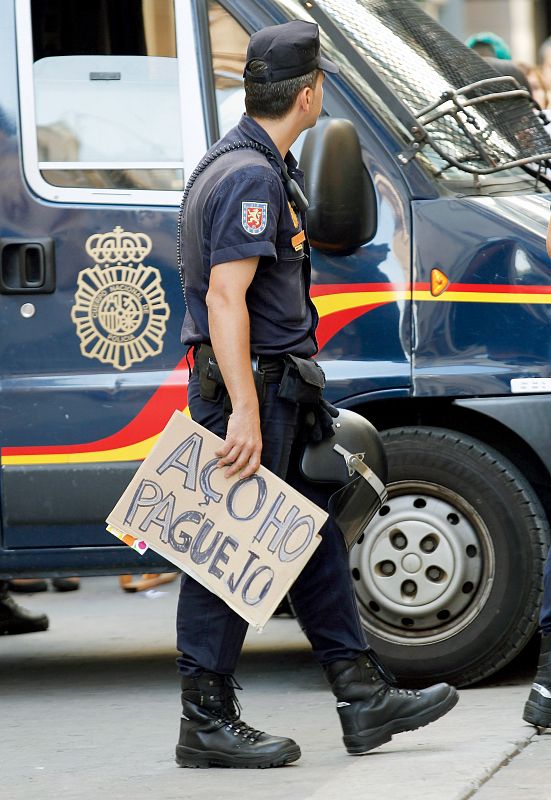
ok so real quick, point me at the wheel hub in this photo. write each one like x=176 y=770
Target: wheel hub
x=421 y=563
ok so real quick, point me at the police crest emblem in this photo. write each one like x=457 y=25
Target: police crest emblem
x=120 y=311
x=254 y=217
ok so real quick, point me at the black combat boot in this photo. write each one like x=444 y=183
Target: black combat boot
x=14 y=619
x=212 y=735
x=537 y=710
x=372 y=709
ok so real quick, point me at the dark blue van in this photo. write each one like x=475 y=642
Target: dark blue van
x=429 y=209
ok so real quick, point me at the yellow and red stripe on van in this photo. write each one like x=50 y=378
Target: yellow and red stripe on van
x=131 y=443
x=337 y=305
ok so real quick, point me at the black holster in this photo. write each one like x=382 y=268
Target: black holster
x=211 y=382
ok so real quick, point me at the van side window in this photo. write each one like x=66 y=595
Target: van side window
x=228 y=42
x=106 y=94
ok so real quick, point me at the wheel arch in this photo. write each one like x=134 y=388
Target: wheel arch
x=490 y=420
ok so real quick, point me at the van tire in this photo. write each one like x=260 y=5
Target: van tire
x=463 y=598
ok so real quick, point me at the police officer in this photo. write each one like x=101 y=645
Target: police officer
x=246 y=268
x=537 y=709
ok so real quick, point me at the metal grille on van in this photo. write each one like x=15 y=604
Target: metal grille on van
x=433 y=75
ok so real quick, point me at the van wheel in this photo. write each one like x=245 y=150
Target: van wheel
x=448 y=575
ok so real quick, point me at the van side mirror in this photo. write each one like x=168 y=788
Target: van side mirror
x=343 y=206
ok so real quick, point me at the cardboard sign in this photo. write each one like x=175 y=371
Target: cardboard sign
x=246 y=540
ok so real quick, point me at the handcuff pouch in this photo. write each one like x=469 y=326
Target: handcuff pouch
x=302 y=381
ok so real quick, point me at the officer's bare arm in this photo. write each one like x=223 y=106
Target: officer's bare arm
x=548 y=239
x=229 y=328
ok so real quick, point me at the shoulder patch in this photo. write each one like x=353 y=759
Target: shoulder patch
x=254 y=217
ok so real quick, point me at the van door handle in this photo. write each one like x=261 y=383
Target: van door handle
x=27 y=266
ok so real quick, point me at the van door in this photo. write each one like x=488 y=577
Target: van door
x=92 y=171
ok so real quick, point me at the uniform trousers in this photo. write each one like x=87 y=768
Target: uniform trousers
x=209 y=634
x=545 y=614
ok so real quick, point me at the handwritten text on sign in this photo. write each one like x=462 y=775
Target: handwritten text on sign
x=246 y=540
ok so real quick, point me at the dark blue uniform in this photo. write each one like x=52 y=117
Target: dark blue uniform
x=545 y=614
x=236 y=209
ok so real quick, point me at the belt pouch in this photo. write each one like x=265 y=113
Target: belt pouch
x=302 y=382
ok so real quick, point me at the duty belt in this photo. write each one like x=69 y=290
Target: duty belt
x=271 y=367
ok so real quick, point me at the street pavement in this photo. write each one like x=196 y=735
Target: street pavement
x=90 y=709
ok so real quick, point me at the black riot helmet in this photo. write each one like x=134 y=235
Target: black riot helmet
x=354 y=458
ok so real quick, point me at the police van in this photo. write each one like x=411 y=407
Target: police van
x=428 y=212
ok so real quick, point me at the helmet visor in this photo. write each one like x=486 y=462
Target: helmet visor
x=353 y=507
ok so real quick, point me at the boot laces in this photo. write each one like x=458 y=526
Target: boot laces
x=230 y=712
x=381 y=673
x=373 y=662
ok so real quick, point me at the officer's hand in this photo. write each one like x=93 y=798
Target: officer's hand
x=242 y=447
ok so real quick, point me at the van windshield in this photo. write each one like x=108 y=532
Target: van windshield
x=424 y=67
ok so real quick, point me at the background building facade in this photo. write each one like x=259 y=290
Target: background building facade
x=524 y=24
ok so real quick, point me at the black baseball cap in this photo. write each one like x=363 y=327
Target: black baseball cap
x=287 y=51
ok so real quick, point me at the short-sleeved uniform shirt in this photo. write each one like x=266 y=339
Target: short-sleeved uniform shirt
x=237 y=208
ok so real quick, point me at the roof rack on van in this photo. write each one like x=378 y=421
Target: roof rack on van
x=455 y=103
x=449 y=100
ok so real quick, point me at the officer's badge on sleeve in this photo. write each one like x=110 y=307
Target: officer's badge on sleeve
x=254 y=217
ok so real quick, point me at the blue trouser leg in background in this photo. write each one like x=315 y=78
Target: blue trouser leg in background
x=209 y=634
x=545 y=614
